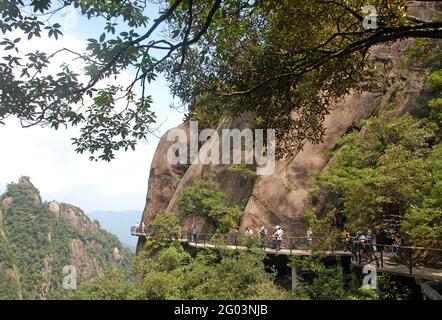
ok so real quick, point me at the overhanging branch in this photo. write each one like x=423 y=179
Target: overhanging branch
x=384 y=35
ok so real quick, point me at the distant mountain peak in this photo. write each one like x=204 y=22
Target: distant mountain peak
x=46 y=237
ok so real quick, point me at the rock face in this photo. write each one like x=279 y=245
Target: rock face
x=116 y=255
x=84 y=255
x=7 y=202
x=33 y=255
x=163 y=180
x=74 y=216
x=281 y=198
x=237 y=186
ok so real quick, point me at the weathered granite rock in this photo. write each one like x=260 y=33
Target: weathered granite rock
x=116 y=256
x=237 y=186
x=83 y=257
x=281 y=198
x=7 y=201
x=163 y=180
x=74 y=216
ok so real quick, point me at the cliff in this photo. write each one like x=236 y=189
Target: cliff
x=39 y=239
x=282 y=197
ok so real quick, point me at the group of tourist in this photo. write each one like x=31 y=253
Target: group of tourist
x=368 y=239
x=140 y=228
x=263 y=233
x=277 y=236
x=359 y=237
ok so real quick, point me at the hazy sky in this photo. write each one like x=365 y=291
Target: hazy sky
x=48 y=157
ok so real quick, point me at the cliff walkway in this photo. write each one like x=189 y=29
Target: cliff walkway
x=416 y=262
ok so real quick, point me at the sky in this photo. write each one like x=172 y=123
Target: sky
x=48 y=157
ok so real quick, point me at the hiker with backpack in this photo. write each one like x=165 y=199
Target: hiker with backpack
x=277 y=236
x=263 y=236
x=193 y=233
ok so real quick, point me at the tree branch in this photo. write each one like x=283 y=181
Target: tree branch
x=425 y=30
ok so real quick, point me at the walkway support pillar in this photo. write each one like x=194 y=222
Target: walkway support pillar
x=294 y=278
x=340 y=271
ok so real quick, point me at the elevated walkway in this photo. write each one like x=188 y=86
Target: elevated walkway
x=418 y=262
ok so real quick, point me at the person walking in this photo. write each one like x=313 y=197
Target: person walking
x=368 y=237
x=249 y=232
x=263 y=232
x=278 y=237
x=193 y=233
x=263 y=236
x=309 y=236
x=398 y=242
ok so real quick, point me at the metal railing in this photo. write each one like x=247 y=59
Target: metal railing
x=409 y=256
x=139 y=231
x=362 y=252
x=238 y=240
x=267 y=242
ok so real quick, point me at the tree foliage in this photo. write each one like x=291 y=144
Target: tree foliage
x=174 y=274
x=277 y=59
x=205 y=199
x=319 y=279
x=287 y=61
x=33 y=240
x=112 y=285
x=386 y=178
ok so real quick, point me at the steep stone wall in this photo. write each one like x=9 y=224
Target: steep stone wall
x=237 y=186
x=281 y=198
x=74 y=216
